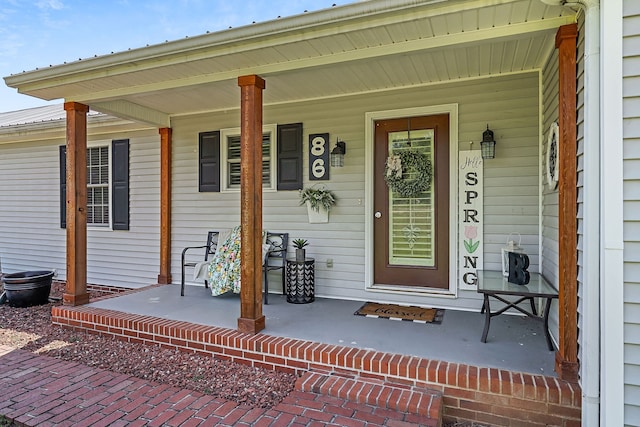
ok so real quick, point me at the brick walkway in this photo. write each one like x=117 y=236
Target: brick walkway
x=43 y=391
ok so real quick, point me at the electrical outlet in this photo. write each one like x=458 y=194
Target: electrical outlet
x=330 y=263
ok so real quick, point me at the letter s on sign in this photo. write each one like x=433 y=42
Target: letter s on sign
x=471 y=178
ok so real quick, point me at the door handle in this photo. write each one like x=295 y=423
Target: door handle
x=378 y=214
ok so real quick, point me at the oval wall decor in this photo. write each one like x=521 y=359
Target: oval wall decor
x=552 y=156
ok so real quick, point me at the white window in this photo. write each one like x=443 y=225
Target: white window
x=98 y=199
x=230 y=147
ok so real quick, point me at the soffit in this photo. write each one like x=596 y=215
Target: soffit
x=422 y=44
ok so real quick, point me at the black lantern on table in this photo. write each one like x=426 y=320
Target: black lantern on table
x=488 y=144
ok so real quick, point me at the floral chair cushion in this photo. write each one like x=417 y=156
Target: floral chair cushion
x=224 y=268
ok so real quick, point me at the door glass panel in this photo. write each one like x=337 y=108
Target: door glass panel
x=412 y=219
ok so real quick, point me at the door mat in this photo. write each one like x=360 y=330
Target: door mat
x=401 y=312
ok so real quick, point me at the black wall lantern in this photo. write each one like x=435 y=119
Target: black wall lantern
x=488 y=144
x=337 y=154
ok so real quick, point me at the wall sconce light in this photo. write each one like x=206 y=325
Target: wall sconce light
x=337 y=154
x=488 y=144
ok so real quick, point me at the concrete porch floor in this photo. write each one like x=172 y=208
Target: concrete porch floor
x=507 y=381
x=514 y=343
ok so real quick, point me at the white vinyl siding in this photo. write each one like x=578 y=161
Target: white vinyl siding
x=509 y=104
x=631 y=210
x=550 y=91
x=30 y=233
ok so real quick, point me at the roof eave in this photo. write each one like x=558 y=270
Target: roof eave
x=302 y=22
x=96 y=126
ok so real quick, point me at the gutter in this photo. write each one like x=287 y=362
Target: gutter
x=591 y=276
x=612 y=391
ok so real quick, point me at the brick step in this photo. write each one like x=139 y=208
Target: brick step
x=425 y=404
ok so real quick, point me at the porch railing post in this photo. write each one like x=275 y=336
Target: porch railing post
x=165 y=206
x=567 y=354
x=251 y=318
x=76 y=289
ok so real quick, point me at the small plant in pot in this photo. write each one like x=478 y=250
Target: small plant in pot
x=300 y=244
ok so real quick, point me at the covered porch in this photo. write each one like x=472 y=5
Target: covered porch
x=509 y=63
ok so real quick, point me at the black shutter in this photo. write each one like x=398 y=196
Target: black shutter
x=120 y=184
x=290 y=156
x=209 y=161
x=63 y=186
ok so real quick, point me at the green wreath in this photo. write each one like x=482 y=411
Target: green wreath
x=396 y=170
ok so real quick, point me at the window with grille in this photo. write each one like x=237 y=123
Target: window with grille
x=231 y=149
x=412 y=219
x=107 y=185
x=98 y=185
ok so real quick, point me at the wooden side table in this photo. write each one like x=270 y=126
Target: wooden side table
x=299 y=281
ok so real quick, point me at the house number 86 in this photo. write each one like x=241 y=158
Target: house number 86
x=318 y=156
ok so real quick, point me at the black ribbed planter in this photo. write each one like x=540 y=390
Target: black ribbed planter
x=27 y=288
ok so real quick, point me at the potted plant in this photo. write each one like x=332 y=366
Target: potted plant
x=300 y=244
x=319 y=202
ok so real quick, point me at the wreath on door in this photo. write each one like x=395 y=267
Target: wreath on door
x=400 y=165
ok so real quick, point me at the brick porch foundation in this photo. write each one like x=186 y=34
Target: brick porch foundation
x=469 y=393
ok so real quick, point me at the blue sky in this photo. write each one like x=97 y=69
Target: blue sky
x=39 y=33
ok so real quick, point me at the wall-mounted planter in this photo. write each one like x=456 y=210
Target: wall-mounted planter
x=316 y=217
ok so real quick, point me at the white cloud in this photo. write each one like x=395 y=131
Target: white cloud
x=50 y=4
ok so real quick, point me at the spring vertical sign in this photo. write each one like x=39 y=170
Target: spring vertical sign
x=470 y=230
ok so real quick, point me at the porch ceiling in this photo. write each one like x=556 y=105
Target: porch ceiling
x=358 y=48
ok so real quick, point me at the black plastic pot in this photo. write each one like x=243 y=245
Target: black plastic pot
x=27 y=288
